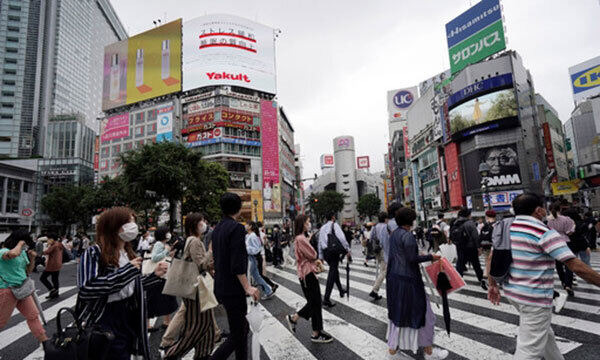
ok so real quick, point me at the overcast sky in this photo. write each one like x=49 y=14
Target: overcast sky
x=336 y=59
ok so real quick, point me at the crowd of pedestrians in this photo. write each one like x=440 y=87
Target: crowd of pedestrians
x=123 y=277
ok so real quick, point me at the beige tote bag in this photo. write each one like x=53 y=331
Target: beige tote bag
x=182 y=277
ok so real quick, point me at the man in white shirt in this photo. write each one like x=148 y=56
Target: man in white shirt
x=333 y=260
x=144 y=244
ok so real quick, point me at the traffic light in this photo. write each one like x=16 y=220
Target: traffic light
x=316 y=200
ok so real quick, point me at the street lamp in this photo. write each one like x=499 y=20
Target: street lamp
x=255 y=202
x=484 y=170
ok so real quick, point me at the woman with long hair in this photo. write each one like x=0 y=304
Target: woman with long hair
x=254 y=248
x=411 y=320
x=15 y=265
x=111 y=286
x=308 y=265
x=190 y=327
x=158 y=303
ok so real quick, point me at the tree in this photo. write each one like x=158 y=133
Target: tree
x=172 y=172
x=69 y=205
x=368 y=205
x=504 y=105
x=325 y=203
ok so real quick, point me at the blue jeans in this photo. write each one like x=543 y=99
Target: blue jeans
x=584 y=257
x=256 y=276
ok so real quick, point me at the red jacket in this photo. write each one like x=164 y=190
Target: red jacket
x=54 y=255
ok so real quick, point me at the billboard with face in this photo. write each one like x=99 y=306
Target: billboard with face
x=228 y=50
x=503 y=162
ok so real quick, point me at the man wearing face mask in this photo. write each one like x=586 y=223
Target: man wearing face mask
x=530 y=286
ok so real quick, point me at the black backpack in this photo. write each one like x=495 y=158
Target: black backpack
x=458 y=235
x=485 y=236
x=334 y=246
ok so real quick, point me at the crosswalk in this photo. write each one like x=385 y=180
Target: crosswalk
x=358 y=324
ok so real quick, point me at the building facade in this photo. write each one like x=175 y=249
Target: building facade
x=554 y=139
x=52 y=54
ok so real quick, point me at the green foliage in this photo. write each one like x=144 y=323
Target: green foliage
x=368 y=205
x=69 y=205
x=504 y=105
x=324 y=203
x=209 y=181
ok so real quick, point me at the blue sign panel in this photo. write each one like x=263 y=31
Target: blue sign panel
x=479 y=87
x=587 y=79
x=467 y=24
x=536 y=171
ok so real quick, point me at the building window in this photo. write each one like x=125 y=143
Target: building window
x=13 y=196
x=10 y=61
x=151 y=129
x=12 y=28
x=12 y=50
x=13 y=18
x=139 y=131
x=27 y=187
x=14 y=7
x=12 y=39
x=8 y=93
x=8 y=105
x=8 y=82
x=6 y=116
x=10 y=72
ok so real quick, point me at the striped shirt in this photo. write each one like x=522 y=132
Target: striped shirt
x=534 y=248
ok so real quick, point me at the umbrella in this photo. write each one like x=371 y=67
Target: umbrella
x=39 y=306
x=348 y=278
x=443 y=285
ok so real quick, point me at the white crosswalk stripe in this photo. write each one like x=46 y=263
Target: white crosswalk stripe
x=476 y=332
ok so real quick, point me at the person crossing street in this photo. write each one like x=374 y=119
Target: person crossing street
x=332 y=247
x=380 y=235
x=464 y=235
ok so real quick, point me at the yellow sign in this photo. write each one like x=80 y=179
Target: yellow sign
x=257 y=210
x=154 y=63
x=565 y=187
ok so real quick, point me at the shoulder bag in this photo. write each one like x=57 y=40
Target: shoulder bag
x=22 y=291
x=206 y=294
x=182 y=276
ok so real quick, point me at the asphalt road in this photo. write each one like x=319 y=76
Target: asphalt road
x=358 y=324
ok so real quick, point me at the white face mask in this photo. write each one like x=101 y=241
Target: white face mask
x=309 y=227
x=202 y=227
x=168 y=236
x=130 y=232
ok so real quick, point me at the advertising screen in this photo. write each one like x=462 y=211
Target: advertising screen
x=228 y=50
x=454 y=175
x=585 y=79
x=270 y=156
x=497 y=105
x=164 y=128
x=475 y=34
x=503 y=162
x=142 y=67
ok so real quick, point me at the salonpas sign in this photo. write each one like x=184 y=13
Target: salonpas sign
x=475 y=34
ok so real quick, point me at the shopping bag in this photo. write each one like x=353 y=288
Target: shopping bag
x=148 y=266
x=448 y=251
x=206 y=294
x=456 y=280
x=255 y=319
x=182 y=277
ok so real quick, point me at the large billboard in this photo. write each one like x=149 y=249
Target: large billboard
x=400 y=101
x=270 y=156
x=503 y=162
x=494 y=106
x=362 y=162
x=585 y=79
x=142 y=67
x=475 y=34
x=228 y=50
x=454 y=175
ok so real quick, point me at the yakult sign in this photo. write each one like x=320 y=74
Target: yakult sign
x=228 y=50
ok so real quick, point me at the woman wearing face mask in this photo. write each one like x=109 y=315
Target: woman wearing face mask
x=191 y=328
x=308 y=264
x=158 y=303
x=111 y=287
x=254 y=248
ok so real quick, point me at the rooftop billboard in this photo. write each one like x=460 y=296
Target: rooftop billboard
x=585 y=79
x=228 y=50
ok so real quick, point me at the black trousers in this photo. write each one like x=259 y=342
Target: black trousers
x=119 y=317
x=333 y=277
x=564 y=274
x=237 y=341
x=312 y=309
x=259 y=261
x=469 y=255
x=277 y=255
x=54 y=275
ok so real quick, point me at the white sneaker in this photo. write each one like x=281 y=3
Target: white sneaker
x=560 y=301
x=437 y=354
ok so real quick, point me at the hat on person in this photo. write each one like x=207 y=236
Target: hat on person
x=490 y=213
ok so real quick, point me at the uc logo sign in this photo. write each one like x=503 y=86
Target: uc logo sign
x=345 y=142
x=403 y=99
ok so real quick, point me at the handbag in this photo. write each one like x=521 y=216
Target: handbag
x=206 y=294
x=22 y=291
x=70 y=343
x=182 y=277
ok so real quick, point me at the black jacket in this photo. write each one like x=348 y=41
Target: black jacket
x=470 y=231
x=231 y=257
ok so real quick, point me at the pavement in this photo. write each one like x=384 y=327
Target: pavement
x=358 y=324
